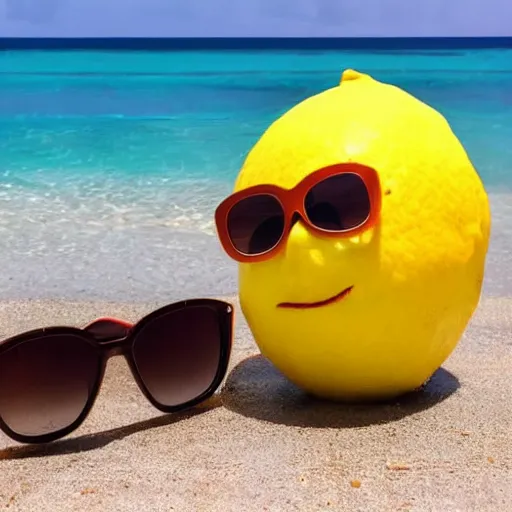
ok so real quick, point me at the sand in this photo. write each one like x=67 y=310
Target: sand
x=260 y=444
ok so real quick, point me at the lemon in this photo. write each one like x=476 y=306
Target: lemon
x=416 y=276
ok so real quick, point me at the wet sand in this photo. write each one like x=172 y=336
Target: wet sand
x=260 y=444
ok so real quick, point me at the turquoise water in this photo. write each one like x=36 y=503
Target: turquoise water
x=112 y=163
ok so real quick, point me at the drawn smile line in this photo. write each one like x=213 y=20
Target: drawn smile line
x=331 y=300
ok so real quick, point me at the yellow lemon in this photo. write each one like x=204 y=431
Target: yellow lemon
x=416 y=275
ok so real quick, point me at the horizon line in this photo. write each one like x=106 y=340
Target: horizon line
x=257 y=43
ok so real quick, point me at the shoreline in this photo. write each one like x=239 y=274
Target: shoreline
x=78 y=261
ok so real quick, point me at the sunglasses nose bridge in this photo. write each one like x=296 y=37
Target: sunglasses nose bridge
x=116 y=347
x=296 y=217
x=299 y=235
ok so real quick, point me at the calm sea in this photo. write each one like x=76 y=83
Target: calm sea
x=112 y=162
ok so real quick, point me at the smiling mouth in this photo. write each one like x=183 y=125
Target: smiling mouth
x=310 y=305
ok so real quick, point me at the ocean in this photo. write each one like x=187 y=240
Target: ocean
x=112 y=161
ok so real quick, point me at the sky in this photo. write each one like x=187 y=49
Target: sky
x=254 y=18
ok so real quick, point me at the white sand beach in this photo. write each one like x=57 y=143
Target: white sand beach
x=261 y=445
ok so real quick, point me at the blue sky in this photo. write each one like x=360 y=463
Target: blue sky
x=300 y=18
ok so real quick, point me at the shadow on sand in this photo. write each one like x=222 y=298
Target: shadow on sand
x=88 y=442
x=255 y=388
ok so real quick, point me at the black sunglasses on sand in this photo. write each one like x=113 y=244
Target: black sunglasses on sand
x=50 y=377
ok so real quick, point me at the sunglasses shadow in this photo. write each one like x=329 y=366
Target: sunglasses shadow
x=255 y=388
x=93 y=441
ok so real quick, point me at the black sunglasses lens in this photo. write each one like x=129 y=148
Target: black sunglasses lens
x=45 y=383
x=256 y=224
x=339 y=203
x=178 y=354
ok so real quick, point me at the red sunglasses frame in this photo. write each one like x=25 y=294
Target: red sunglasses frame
x=292 y=202
x=113 y=337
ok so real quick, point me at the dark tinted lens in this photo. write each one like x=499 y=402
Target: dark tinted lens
x=178 y=354
x=256 y=224
x=338 y=203
x=45 y=383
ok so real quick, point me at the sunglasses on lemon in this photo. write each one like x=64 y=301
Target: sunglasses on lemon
x=338 y=200
x=50 y=377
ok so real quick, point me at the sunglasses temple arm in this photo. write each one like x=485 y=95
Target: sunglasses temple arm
x=106 y=328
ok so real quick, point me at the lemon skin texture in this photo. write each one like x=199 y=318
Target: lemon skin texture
x=416 y=275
